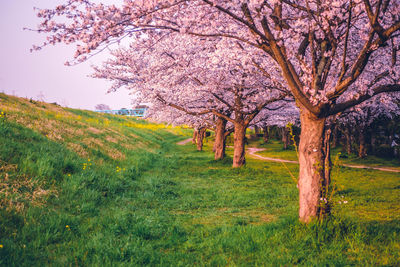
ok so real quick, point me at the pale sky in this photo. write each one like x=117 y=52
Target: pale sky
x=27 y=74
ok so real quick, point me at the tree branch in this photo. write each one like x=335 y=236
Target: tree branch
x=362 y=59
x=162 y=100
x=258 y=108
x=222 y=100
x=288 y=71
x=346 y=40
x=222 y=115
x=373 y=18
x=237 y=18
x=353 y=102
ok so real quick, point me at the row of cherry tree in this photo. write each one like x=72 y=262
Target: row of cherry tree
x=229 y=61
x=371 y=127
x=209 y=81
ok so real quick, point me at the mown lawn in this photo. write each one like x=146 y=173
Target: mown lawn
x=160 y=204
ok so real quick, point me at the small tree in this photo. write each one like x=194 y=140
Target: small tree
x=102 y=107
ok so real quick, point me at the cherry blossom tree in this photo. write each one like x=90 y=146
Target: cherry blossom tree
x=198 y=77
x=333 y=54
x=382 y=107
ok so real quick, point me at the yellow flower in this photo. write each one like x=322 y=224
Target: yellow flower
x=1 y=245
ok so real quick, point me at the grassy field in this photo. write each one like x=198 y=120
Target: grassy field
x=88 y=189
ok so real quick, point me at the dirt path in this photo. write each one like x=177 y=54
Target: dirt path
x=184 y=142
x=253 y=150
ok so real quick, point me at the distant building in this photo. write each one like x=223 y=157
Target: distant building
x=138 y=111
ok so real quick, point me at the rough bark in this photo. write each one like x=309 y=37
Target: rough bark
x=266 y=134
x=220 y=144
x=311 y=160
x=239 y=145
x=200 y=137
x=325 y=205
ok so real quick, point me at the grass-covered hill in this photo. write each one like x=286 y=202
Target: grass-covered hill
x=88 y=189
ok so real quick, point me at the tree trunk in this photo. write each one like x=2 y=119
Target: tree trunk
x=349 y=142
x=239 y=145
x=220 y=144
x=195 y=132
x=325 y=204
x=200 y=137
x=362 y=150
x=285 y=138
x=266 y=134
x=335 y=136
x=312 y=161
x=373 y=142
x=256 y=132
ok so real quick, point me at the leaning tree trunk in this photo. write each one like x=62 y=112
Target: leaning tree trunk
x=219 y=144
x=195 y=132
x=200 y=137
x=312 y=161
x=265 y=134
x=239 y=145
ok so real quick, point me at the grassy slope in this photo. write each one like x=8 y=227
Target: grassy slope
x=142 y=200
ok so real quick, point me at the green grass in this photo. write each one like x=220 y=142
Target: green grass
x=160 y=204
